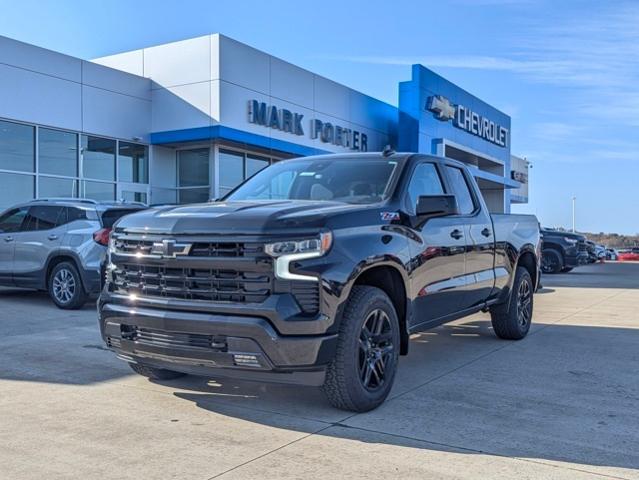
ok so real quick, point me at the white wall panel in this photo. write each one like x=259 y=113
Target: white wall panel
x=131 y=62
x=291 y=83
x=244 y=65
x=39 y=59
x=179 y=63
x=37 y=98
x=331 y=98
x=234 y=108
x=115 y=115
x=114 y=80
x=163 y=170
x=177 y=108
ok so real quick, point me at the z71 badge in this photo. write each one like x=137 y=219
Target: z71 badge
x=389 y=216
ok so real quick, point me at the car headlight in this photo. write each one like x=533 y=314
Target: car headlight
x=572 y=241
x=294 y=250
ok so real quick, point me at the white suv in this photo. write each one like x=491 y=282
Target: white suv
x=58 y=245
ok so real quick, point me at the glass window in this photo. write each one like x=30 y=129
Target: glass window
x=56 y=187
x=194 y=195
x=133 y=163
x=254 y=164
x=231 y=170
x=12 y=220
x=43 y=217
x=57 y=152
x=162 y=196
x=74 y=214
x=193 y=167
x=128 y=196
x=15 y=188
x=425 y=181
x=461 y=190
x=98 y=158
x=348 y=180
x=17 y=147
x=99 y=191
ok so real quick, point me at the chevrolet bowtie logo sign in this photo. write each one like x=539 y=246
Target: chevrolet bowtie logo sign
x=170 y=248
x=468 y=120
x=441 y=106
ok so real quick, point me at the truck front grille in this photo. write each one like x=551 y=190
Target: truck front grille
x=191 y=283
x=140 y=246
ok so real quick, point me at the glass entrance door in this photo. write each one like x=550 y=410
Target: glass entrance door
x=133 y=192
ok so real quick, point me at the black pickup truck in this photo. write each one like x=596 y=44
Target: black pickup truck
x=315 y=271
x=562 y=251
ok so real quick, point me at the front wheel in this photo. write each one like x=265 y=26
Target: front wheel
x=65 y=287
x=361 y=375
x=551 y=261
x=511 y=320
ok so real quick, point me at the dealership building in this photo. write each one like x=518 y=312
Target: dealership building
x=188 y=121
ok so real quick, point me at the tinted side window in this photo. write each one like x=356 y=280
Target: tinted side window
x=42 y=218
x=461 y=190
x=425 y=181
x=74 y=214
x=109 y=217
x=12 y=220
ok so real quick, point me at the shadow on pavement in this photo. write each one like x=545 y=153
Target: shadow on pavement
x=562 y=395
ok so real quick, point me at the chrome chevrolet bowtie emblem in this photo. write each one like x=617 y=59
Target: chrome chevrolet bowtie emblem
x=441 y=106
x=170 y=248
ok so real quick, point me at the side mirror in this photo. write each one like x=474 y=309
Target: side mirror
x=431 y=206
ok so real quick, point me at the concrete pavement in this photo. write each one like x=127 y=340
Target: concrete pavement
x=563 y=403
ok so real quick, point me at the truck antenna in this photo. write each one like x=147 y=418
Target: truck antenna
x=388 y=151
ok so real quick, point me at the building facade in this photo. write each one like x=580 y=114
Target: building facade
x=188 y=121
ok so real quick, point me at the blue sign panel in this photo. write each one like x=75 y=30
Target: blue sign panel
x=434 y=110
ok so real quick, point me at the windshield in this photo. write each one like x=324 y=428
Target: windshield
x=348 y=180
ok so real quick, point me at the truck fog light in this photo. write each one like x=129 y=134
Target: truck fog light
x=242 y=360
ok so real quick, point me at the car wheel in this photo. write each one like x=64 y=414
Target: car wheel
x=65 y=287
x=362 y=373
x=566 y=269
x=511 y=320
x=551 y=261
x=154 y=373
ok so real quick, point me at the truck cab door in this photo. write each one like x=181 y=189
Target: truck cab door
x=478 y=227
x=10 y=224
x=437 y=251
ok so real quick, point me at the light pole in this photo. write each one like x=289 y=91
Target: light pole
x=573 y=214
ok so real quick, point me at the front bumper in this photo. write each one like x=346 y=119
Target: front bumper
x=201 y=343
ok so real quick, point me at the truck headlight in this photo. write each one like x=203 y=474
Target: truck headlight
x=572 y=241
x=295 y=250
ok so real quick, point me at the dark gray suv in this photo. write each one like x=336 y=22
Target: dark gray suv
x=58 y=245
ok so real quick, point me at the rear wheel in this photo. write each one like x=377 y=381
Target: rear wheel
x=511 y=320
x=551 y=261
x=362 y=373
x=65 y=286
x=154 y=373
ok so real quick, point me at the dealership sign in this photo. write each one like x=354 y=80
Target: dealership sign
x=467 y=120
x=260 y=113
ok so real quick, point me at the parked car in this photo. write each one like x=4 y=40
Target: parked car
x=631 y=254
x=315 y=271
x=591 y=248
x=57 y=245
x=612 y=254
x=562 y=251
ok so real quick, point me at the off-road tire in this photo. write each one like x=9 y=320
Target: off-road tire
x=66 y=274
x=154 y=373
x=344 y=386
x=507 y=317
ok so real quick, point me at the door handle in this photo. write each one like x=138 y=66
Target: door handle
x=53 y=236
x=486 y=232
x=456 y=234
x=8 y=239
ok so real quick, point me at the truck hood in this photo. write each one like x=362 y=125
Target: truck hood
x=238 y=217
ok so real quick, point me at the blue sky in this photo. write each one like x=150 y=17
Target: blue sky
x=566 y=71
